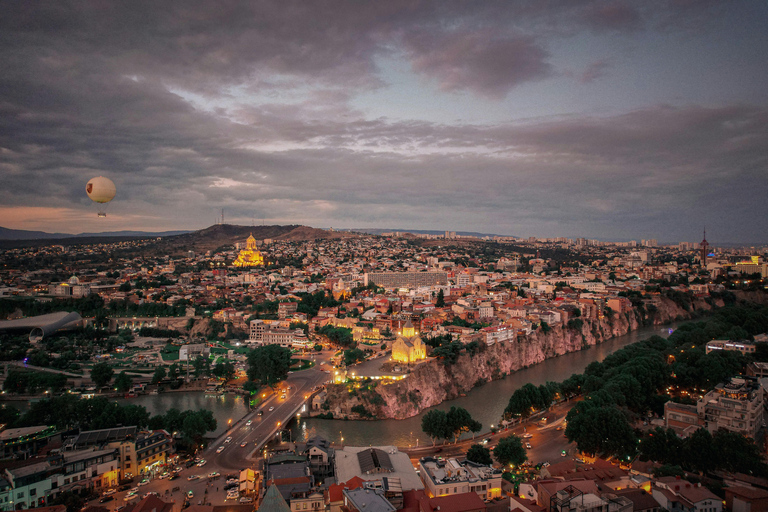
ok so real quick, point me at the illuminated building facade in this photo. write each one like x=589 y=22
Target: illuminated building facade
x=408 y=347
x=250 y=256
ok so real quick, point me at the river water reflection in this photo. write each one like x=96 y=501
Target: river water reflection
x=224 y=407
x=485 y=403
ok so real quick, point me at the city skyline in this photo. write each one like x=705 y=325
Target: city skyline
x=603 y=120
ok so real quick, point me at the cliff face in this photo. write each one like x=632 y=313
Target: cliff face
x=434 y=382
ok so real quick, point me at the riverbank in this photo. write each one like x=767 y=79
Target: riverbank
x=436 y=381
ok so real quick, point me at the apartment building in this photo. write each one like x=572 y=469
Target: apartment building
x=736 y=405
x=451 y=476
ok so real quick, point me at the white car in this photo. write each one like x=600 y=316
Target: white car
x=202 y=463
x=143 y=482
x=246 y=499
x=228 y=439
x=130 y=497
x=247 y=423
x=271 y=409
x=527 y=436
x=109 y=492
x=220 y=449
x=213 y=474
x=193 y=477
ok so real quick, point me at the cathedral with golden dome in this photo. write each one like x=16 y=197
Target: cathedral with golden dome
x=250 y=256
x=408 y=347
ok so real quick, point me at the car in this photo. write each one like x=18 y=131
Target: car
x=261 y=413
x=143 y=482
x=109 y=492
x=231 y=496
x=130 y=497
x=135 y=490
x=563 y=453
x=246 y=499
x=271 y=409
x=220 y=449
x=228 y=439
x=177 y=469
x=243 y=444
x=163 y=476
x=527 y=435
x=213 y=474
x=545 y=464
x=289 y=388
x=106 y=499
x=247 y=423
x=528 y=446
x=173 y=477
x=202 y=463
x=193 y=477
x=150 y=493
x=123 y=488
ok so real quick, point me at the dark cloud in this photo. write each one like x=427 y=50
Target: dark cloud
x=159 y=96
x=487 y=63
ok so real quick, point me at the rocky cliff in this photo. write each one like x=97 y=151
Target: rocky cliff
x=434 y=382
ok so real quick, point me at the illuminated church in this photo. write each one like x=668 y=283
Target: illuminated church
x=250 y=256
x=408 y=347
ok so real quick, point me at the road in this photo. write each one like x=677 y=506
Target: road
x=235 y=457
x=547 y=441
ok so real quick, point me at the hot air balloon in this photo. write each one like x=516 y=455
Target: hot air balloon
x=101 y=190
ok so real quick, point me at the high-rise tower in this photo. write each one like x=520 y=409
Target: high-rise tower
x=704 y=248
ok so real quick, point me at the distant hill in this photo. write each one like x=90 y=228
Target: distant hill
x=220 y=235
x=20 y=234
x=378 y=231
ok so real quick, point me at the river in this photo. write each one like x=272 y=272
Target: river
x=485 y=403
x=224 y=407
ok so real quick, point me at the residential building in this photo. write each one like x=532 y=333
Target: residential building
x=376 y=464
x=448 y=477
x=736 y=405
x=677 y=495
x=405 y=279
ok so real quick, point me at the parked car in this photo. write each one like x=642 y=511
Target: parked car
x=106 y=499
x=193 y=477
x=123 y=488
x=109 y=492
x=144 y=482
x=528 y=446
x=246 y=499
x=173 y=477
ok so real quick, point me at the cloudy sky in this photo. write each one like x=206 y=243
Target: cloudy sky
x=580 y=118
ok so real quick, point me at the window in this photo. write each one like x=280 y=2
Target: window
x=33 y=492
x=20 y=494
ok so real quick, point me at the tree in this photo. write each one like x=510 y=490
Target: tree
x=174 y=371
x=459 y=421
x=601 y=430
x=435 y=424
x=224 y=369
x=123 y=382
x=524 y=401
x=196 y=424
x=440 y=302
x=269 y=364
x=101 y=374
x=510 y=450
x=352 y=356
x=479 y=454
x=159 y=375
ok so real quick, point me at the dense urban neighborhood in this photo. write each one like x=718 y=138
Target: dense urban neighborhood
x=293 y=323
